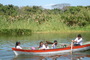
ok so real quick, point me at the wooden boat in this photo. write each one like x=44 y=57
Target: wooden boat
x=50 y=51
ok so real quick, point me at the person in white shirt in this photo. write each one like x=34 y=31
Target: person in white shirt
x=41 y=46
x=18 y=45
x=78 y=40
x=46 y=46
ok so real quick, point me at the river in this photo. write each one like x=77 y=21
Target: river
x=8 y=41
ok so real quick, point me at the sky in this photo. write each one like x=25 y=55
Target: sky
x=45 y=3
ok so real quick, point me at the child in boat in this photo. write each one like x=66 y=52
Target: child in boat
x=18 y=45
x=78 y=40
x=46 y=46
x=54 y=44
x=41 y=46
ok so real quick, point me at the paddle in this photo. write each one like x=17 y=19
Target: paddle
x=48 y=42
x=62 y=45
x=71 y=47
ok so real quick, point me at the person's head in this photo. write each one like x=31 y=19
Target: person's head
x=40 y=44
x=79 y=36
x=55 y=41
x=46 y=44
x=17 y=43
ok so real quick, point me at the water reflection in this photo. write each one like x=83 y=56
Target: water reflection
x=26 y=57
x=74 y=56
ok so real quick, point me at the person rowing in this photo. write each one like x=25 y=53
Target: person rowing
x=78 y=40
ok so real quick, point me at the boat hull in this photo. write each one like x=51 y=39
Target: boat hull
x=50 y=51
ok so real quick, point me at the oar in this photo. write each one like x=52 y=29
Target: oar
x=59 y=44
x=48 y=42
x=71 y=47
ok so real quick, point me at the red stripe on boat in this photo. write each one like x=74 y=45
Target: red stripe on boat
x=51 y=50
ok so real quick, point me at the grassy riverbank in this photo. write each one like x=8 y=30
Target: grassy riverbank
x=28 y=27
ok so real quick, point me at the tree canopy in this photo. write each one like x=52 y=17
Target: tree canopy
x=72 y=16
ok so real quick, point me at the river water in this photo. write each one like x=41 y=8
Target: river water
x=7 y=42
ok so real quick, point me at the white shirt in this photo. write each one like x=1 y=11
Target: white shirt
x=53 y=46
x=47 y=47
x=43 y=47
x=78 y=41
x=18 y=47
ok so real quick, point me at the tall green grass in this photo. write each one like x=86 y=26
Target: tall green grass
x=26 y=26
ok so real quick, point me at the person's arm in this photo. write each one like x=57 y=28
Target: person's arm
x=53 y=44
x=75 y=40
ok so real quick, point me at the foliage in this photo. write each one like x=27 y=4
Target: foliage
x=36 y=18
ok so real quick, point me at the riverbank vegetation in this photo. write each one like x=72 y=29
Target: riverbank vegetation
x=27 y=19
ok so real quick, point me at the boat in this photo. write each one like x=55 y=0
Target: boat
x=50 y=51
